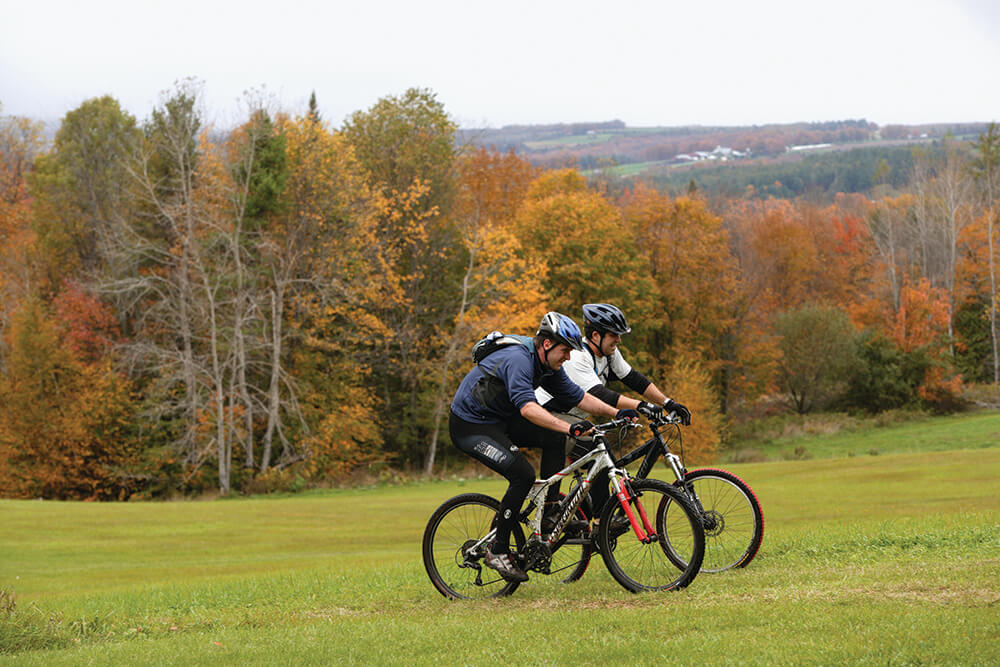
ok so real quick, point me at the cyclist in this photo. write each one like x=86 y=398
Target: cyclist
x=598 y=363
x=494 y=409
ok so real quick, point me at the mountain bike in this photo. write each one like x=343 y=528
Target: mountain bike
x=651 y=538
x=729 y=510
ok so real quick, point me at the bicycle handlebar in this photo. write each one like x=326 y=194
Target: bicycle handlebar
x=615 y=423
x=665 y=419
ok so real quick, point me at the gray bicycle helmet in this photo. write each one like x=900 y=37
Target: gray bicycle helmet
x=561 y=329
x=604 y=317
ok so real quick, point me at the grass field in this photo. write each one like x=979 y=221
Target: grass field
x=891 y=559
x=825 y=436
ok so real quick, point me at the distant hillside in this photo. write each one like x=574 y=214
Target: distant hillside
x=778 y=160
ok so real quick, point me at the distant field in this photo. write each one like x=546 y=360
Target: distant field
x=820 y=436
x=567 y=141
x=887 y=559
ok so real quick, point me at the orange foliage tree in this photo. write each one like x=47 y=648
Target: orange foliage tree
x=20 y=141
x=501 y=288
x=589 y=254
x=65 y=427
x=687 y=255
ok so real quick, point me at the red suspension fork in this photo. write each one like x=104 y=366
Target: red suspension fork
x=644 y=530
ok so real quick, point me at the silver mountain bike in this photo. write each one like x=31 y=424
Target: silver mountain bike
x=650 y=537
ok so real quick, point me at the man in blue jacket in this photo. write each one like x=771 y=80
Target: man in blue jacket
x=494 y=412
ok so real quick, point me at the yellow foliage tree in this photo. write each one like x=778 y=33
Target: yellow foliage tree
x=590 y=255
x=689 y=379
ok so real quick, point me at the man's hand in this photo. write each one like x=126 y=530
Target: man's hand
x=627 y=413
x=579 y=428
x=673 y=406
x=650 y=410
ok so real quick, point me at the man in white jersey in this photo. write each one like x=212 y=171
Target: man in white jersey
x=599 y=363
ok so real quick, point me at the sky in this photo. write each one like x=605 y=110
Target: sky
x=652 y=63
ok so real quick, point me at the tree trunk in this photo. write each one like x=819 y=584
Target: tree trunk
x=448 y=357
x=273 y=392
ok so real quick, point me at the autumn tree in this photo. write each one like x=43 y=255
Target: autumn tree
x=500 y=288
x=406 y=145
x=590 y=254
x=687 y=256
x=64 y=427
x=328 y=279
x=942 y=209
x=20 y=143
x=986 y=171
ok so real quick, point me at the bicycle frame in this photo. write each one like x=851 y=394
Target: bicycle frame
x=650 y=452
x=601 y=458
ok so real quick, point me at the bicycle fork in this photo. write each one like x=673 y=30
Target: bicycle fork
x=709 y=520
x=641 y=524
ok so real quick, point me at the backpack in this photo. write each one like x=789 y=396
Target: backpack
x=493 y=341
x=489 y=385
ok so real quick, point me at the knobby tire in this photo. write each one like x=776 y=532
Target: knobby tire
x=647 y=566
x=457 y=523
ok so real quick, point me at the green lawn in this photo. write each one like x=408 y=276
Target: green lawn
x=825 y=436
x=891 y=559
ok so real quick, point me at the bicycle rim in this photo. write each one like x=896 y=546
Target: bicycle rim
x=455 y=571
x=734 y=527
x=646 y=566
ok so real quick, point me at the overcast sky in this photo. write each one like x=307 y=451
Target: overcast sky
x=666 y=62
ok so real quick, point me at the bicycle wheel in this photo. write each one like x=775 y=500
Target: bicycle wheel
x=644 y=565
x=734 y=523
x=455 y=567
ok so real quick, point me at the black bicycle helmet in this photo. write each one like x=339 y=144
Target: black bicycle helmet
x=604 y=317
x=561 y=329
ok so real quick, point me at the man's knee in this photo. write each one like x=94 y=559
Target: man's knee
x=521 y=474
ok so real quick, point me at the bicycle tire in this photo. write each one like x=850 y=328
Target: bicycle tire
x=735 y=529
x=644 y=566
x=457 y=523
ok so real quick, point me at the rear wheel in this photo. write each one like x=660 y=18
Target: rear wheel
x=734 y=523
x=452 y=558
x=644 y=565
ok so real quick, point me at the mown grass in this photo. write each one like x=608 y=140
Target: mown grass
x=837 y=435
x=892 y=559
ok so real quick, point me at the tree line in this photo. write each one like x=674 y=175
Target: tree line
x=818 y=176
x=276 y=305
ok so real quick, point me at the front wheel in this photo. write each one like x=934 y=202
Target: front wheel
x=734 y=523
x=644 y=565
x=453 y=548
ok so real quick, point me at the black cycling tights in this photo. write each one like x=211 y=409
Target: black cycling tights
x=492 y=445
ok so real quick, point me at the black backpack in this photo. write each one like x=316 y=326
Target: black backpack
x=493 y=341
x=489 y=386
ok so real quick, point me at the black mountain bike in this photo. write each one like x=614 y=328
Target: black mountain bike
x=651 y=537
x=730 y=512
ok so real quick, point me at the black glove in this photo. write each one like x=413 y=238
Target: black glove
x=673 y=406
x=579 y=428
x=651 y=410
x=627 y=413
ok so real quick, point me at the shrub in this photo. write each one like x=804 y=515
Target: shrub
x=817 y=354
x=886 y=377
